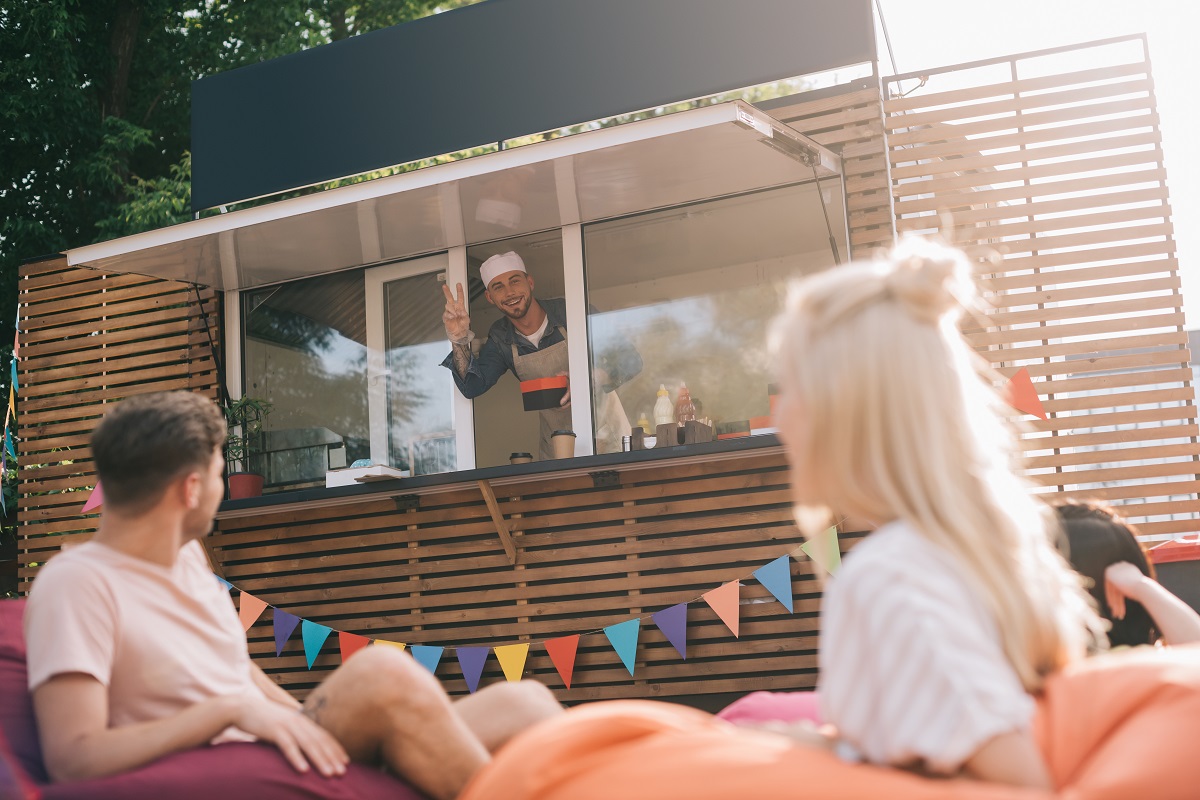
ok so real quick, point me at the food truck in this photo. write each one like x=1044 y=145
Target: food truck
x=654 y=560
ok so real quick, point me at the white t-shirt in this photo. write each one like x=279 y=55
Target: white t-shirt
x=159 y=639
x=912 y=670
x=537 y=335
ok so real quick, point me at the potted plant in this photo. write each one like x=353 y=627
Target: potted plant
x=245 y=445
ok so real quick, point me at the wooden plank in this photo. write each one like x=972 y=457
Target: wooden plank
x=1065 y=330
x=1026 y=138
x=1019 y=102
x=1024 y=86
x=506 y=539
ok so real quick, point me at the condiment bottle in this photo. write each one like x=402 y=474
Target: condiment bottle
x=664 y=409
x=684 y=408
x=643 y=422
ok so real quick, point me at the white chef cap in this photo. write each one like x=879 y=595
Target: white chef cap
x=500 y=264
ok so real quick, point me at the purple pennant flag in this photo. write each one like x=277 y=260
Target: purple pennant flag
x=472 y=659
x=673 y=623
x=285 y=626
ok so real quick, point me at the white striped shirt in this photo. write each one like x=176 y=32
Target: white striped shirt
x=911 y=664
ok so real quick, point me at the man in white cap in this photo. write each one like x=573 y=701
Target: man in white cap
x=530 y=339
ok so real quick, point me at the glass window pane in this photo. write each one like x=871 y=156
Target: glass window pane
x=419 y=404
x=305 y=352
x=693 y=289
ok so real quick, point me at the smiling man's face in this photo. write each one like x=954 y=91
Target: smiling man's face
x=512 y=293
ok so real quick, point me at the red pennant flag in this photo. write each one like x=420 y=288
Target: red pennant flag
x=725 y=601
x=1023 y=396
x=250 y=610
x=562 y=653
x=351 y=643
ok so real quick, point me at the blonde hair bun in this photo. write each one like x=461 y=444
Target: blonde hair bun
x=931 y=279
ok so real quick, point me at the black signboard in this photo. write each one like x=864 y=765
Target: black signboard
x=494 y=71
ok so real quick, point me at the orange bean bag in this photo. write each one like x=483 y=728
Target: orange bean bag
x=1119 y=726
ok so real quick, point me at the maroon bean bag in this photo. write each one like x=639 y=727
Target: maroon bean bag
x=227 y=770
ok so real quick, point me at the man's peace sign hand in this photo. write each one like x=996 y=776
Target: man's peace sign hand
x=455 y=317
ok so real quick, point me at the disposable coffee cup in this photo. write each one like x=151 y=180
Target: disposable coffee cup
x=563 y=443
x=520 y=458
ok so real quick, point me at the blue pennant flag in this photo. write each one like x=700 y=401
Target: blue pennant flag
x=472 y=659
x=8 y=443
x=14 y=376
x=428 y=656
x=777 y=577
x=314 y=637
x=228 y=586
x=624 y=638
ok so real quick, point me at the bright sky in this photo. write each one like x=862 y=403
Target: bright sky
x=934 y=33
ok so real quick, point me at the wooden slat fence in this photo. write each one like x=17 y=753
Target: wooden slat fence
x=1059 y=174
x=86 y=341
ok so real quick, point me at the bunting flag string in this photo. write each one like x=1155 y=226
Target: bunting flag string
x=9 y=450
x=725 y=601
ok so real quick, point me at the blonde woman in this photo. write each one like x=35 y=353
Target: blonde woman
x=947 y=618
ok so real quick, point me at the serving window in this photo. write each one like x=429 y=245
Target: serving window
x=693 y=290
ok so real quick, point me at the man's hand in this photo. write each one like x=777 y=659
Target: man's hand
x=1122 y=580
x=456 y=318
x=566 y=398
x=299 y=738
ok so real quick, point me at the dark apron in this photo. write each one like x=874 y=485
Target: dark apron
x=545 y=364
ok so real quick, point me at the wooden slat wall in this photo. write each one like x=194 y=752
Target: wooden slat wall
x=88 y=340
x=1061 y=175
x=587 y=557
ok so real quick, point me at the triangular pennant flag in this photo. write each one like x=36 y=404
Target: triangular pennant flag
x=428 y=656
x=95 y=499
x=14 y=375
x=823 y=549
x=512 y=659
x=725 y=600
x=777 y=577
x=1023 y=396
x=351 y=643
x=12 y=400
x=8 y=444
x=228 y=586
x=250 y=610
x=624 y=637
x=562 y=653
x=673 y=623
x=472 y=659
x=314 y=636
x=285 y=626
x=400 y=645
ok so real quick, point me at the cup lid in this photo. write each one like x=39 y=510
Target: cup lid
x=520 y=455
x=563 y=433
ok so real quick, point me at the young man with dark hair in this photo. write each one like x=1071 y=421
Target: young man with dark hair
x=136 y=652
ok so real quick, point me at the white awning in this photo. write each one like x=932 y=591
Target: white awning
x=639 y=166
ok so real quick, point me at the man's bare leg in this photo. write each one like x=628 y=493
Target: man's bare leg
x=384 y=706
x=498 y=712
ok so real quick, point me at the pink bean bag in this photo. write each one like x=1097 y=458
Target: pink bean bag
x=771 y=707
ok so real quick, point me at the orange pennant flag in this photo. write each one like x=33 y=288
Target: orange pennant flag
x=725 y=601
x=250 y=610
x=562 y=653
x=399 y=645
x=1023 y=396
x=351 y=643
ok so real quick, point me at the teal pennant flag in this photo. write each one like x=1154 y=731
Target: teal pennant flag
x=427 y=655
x=314 y=638
x=777 y=577
x=624 y=638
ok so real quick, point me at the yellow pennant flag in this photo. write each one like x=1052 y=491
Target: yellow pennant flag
x=823 y=549
x=400 y=645
x=12 y=399
x=512 y=659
